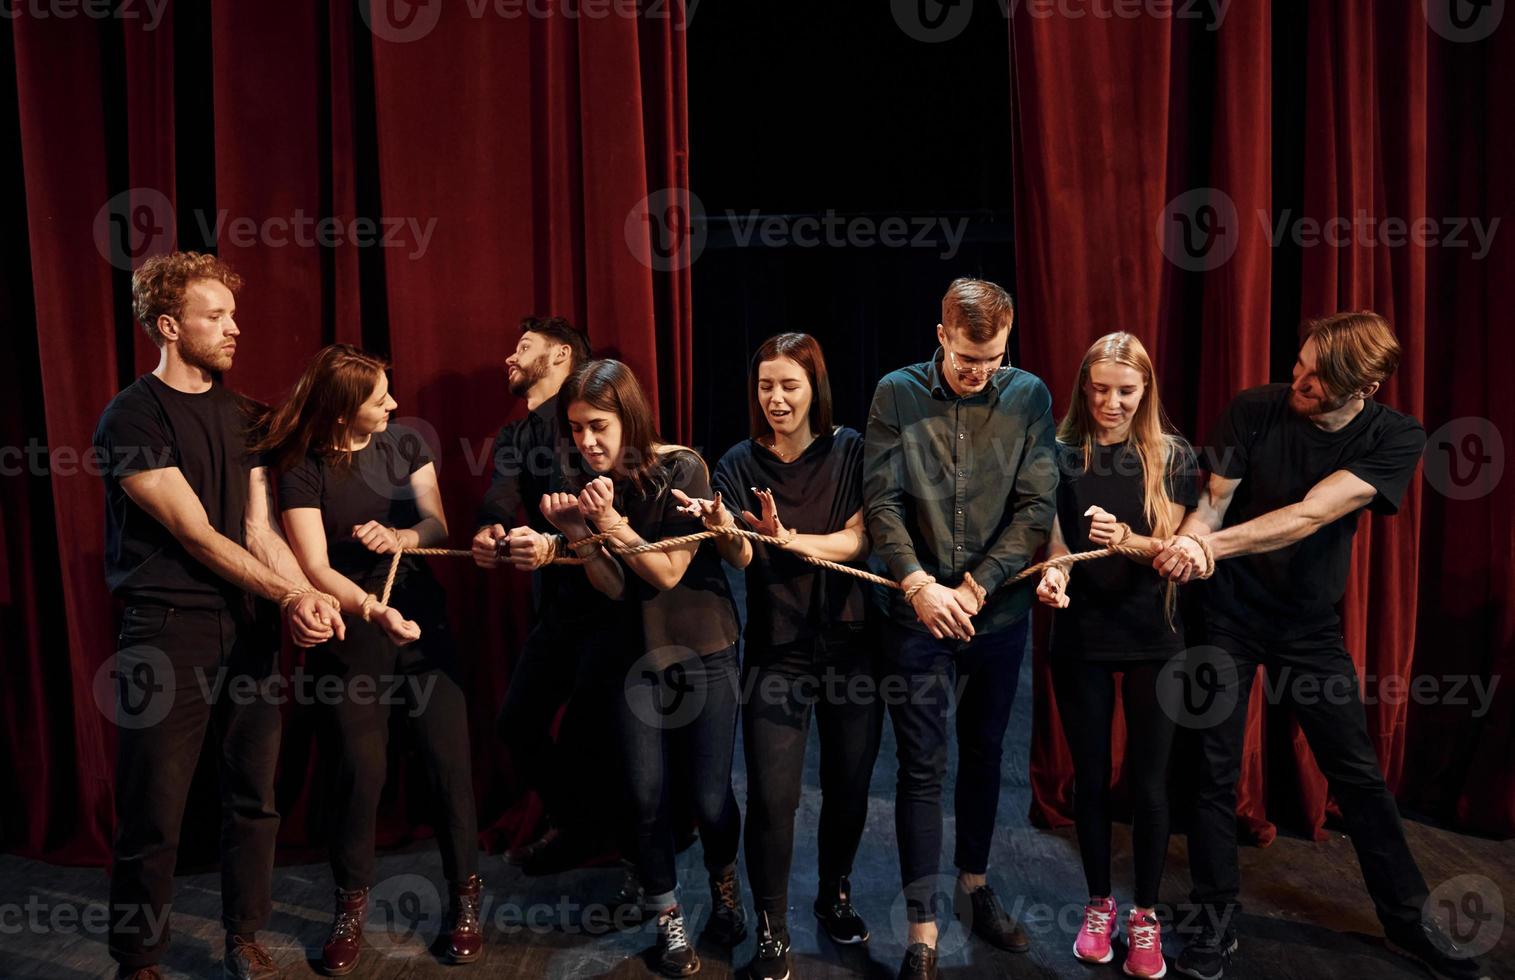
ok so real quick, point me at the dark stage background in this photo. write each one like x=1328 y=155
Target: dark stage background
x=544 y=151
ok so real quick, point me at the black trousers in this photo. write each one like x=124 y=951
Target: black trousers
x=1318 y=681
x=835 y=674
x=975 y=681
x=1085 y=692
x=373 y=678
x=178 y=675
x=578 y=664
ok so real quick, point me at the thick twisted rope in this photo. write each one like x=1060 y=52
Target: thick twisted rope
x=668 y=544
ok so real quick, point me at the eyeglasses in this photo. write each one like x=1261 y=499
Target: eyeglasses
x=974 y=366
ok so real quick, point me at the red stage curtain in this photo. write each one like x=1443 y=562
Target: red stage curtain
x=1176 y=109
x=505 y=157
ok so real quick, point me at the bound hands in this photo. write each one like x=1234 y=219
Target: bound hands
x=597 y=502
x=947 y=613
x=1053 y=588
x=394 y=624
x=377 y=538
x=1181 y=559
x=314 y=618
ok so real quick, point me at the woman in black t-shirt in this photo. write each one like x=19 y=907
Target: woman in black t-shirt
x=807 y=635
x=1117 y=461
x=353 y=490
x=678 y=717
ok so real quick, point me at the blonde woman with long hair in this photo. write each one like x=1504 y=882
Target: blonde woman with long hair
x=1120 y=463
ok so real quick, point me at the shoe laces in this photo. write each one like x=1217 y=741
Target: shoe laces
x=725 y=891
x=252 y=952
x=1096 y=920
x=1143 y=933
x=770 y=944
x=347 y=925
x=671 y=926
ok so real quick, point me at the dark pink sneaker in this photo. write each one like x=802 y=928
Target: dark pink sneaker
x=1093 y=942
x=1144 y=947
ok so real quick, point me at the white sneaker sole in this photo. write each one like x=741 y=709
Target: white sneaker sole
x=1109 y=955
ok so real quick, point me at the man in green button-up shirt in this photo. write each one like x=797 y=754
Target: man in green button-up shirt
x=959 y=476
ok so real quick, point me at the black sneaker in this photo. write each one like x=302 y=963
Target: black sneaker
x=989 y=920
x=919 y=963
x=728 y=923
x=772 y=959
x=833 y=906
x=1427 y=945
x=1207 y=954
x=676 y=957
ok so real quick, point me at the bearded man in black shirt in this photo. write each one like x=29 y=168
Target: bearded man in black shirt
x=189 y=544
x=559 y=663
x=1293 y=467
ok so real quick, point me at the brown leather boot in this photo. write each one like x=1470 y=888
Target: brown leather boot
x=340 y=954
x=462 y=931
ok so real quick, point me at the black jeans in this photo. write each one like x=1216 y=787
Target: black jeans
x=179 y=673
x=835 y=673
x=976 y=681
x=1318 y=681
x=566 y=664
x=687 y=712
x=421 y=680
x=1085 y=692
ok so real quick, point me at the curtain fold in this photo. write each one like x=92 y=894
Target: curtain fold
x=414 y=186
x=1243 y=158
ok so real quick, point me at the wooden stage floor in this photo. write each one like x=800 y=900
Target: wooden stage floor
x=1307 y=913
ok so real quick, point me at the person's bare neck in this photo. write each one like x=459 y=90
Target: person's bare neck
x=181 y=376
x=545 y=389
x=1335 y=421
x=791 y=445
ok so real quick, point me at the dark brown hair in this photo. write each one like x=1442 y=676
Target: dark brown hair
x=804 y=350
x=1353 y=350
x=610 y=386
x=318 y=414
x=158 y=286
x=978 y=309
x=559 y=331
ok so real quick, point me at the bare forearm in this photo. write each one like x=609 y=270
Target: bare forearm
x=348 y=592
x=1269 y=532
x=735 y=551
x=237 y=565
x=270 y=548
x=847 y=544
x=427 y=534
x=655 y=567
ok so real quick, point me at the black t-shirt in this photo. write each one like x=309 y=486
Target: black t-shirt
x=150 y=426
x=1118 y=607
x=374 y=486
x=787 y=599
x=527 y=465
x=698 y=614
x=1279 y=455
